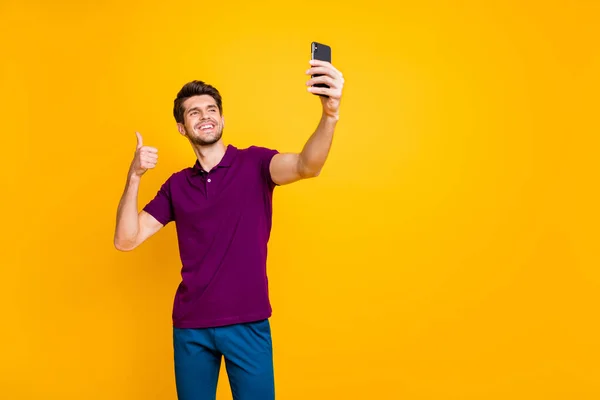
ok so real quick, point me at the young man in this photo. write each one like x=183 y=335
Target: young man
x=222 y=210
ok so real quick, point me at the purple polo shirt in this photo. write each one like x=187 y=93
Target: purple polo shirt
x=223 y=223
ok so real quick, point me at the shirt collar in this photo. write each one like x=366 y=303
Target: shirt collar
x=230 y=153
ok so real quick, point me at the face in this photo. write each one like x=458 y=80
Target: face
x=203 y=123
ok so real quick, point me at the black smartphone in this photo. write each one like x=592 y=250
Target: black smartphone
x=320 y=51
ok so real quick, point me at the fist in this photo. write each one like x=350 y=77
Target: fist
x=145 y=157
x=330 y=96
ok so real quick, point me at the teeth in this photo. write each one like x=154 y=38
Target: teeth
x=204 y=127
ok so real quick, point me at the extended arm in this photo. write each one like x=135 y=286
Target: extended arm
x=290 y=167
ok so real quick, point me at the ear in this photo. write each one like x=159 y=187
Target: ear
x=223 y=121
x=181 y=128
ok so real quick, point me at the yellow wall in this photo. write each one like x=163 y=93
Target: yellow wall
x=449 y=250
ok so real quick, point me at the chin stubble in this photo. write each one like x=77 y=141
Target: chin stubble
x=198 y=141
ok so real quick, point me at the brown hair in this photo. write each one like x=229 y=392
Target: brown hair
x=194 y=88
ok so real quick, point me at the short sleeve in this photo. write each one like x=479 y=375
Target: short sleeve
x=264 y=157
x=161 y=206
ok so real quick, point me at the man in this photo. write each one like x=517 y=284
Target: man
x=222 y=210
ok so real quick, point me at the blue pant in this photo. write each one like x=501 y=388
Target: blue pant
x=248 y=352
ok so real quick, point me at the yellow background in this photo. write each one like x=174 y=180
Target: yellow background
x=449 y=250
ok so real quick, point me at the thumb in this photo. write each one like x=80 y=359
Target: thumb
x=139 y=140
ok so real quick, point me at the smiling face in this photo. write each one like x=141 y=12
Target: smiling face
x=202 y=120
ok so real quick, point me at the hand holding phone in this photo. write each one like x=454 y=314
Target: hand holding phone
x=326 y=80
x=321 y=52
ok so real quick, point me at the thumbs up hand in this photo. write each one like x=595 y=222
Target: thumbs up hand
x=145 y=158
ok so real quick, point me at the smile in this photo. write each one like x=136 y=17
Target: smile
x=205 y=127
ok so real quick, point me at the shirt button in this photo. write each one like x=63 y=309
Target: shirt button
x=208 y=180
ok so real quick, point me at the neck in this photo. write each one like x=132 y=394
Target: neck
x=210 y=155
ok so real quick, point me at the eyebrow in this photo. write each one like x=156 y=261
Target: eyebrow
x=198 y=108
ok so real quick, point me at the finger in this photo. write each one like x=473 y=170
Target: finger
x=149 y=159
x=148 y=164
x=323 y=79
x=148 y=154
x=324 y=71
x=148 y=149
x=320 y=63
x=139 y=140
x=333 y=93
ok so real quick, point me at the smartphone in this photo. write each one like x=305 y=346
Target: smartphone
x=320 y=51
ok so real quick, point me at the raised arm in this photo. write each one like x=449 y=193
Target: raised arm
x=290 y=167
x=133 y=228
